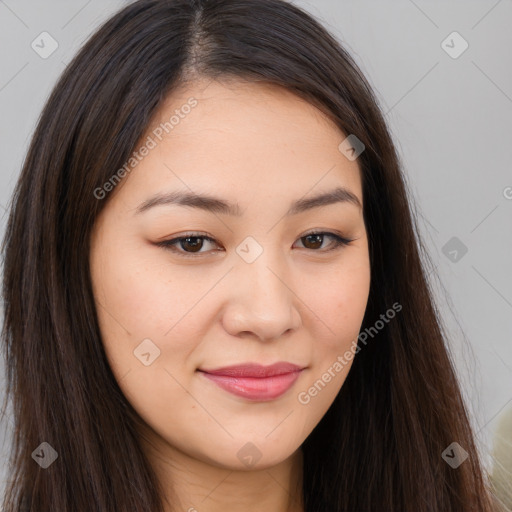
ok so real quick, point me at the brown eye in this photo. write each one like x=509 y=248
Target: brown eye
x=314 y=241
x=188 y=245
x=191 y=244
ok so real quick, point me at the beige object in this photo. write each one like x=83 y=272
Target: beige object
x=502 y=452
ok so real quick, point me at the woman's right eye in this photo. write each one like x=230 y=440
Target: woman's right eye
x=187 y=245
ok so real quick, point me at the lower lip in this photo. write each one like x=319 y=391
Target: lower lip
x=253 y=388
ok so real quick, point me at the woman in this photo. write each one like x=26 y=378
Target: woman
x=214 y=292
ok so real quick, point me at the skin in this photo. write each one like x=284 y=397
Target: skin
x=261 y=147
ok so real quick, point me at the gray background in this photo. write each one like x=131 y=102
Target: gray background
x=450 y=118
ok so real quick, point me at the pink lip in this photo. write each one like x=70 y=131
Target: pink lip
x=254 y=381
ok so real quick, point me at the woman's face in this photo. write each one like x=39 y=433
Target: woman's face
x=245 y=286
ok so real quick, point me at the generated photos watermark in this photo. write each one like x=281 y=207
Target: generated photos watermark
x=150 y=143
x=304 y=397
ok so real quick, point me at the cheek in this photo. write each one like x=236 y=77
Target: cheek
x=339 y=303
x=139 y=289
x=139 y=298
x=139 y=308
x=338 y=300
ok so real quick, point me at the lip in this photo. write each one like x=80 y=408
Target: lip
x=254 y=381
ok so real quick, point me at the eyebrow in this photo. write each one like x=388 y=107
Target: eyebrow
x=217 y=205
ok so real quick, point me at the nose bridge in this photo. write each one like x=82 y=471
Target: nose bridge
x=265 y=282
x=264 y=301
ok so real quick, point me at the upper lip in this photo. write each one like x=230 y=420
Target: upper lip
x=254 y=370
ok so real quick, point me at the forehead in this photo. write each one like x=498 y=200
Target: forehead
x=234 y=135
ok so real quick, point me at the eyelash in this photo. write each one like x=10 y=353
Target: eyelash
x=339 y=242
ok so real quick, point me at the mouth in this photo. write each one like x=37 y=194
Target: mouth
x=254 y=381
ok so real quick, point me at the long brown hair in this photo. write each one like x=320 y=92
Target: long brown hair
x=379 y=446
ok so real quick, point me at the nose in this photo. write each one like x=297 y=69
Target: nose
x=262 y=302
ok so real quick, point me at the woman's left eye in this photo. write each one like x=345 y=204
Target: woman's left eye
x=316 y=240
x=193 y=243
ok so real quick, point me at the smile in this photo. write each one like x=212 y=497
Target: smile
x=255 y=382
